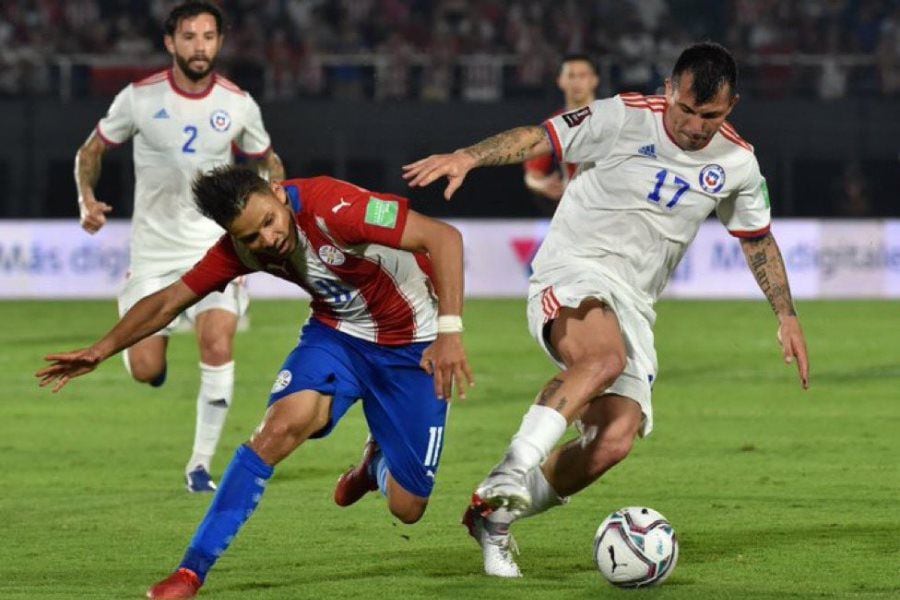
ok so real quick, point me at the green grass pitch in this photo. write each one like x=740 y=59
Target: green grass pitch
x=775 y=493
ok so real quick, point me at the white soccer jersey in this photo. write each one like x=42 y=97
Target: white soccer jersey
x=637 y=200
x=177 y=135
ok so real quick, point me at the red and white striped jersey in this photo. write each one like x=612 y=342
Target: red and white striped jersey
x=348 y=259
x=638 y=199
x=176 y=136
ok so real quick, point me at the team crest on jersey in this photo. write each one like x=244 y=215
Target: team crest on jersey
x=331 y=256
x=574 y=118
x=282 y=380
x=220 y=120
x=712 y=178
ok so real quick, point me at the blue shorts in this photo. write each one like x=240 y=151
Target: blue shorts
x=404 y=414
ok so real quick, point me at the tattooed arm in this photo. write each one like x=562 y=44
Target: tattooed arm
x=87 y=173
x=512 y=146
x=764 y=259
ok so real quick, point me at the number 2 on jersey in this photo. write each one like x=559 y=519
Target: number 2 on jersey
x=192 y=135
x=683 y=186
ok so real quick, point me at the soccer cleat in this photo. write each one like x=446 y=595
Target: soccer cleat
x=498 y=547
x=183 y=583
x=504 y=490
x=199 y=481
x=357 y=481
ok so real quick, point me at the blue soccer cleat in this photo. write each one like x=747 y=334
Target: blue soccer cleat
x=199 y=481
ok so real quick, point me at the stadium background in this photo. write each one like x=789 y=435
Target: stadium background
x=775 y=493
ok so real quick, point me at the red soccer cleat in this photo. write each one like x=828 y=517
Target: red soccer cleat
x=356 y=482
x=183 y=583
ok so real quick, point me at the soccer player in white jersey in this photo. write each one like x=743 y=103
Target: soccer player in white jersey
x=184 y=120
x=651 y=170
x=386 y=328
x=578 y=80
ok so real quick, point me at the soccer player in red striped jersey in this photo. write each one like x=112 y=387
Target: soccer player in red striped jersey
x=578 y=80
x=386 y=327
x=652 y=169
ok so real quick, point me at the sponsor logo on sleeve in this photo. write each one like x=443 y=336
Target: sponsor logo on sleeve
x=574 y=118
x=712 y=178
x=282 y=380
x=382 y=213
x=220 y=120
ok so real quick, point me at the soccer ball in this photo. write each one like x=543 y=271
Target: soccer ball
x=635 y=547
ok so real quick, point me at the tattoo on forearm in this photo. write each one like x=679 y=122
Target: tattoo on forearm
x=548 y=392
x=506 y=148
x=87 y=169
x=767 y=266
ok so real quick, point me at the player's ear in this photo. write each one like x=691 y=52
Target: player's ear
x=279 y=192
x=669 y=88
x=169 y=42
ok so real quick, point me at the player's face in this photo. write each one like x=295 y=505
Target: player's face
x=691 y=124
x=194 y=45
x=578 y=83
x=266 y=225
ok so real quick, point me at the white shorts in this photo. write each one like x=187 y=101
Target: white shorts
x=234 y=299
x=570 y=287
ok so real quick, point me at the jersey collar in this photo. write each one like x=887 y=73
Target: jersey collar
x=294 y=196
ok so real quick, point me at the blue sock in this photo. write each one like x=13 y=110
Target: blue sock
x=239 y=492
x=379 y=469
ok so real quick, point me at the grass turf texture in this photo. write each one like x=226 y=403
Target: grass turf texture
x=774 y=493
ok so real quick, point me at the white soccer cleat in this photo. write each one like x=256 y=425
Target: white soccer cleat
x=498 y=548
x=504 y=490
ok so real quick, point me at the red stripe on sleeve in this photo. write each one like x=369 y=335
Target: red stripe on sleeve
x=554 y=140
x=749 y=235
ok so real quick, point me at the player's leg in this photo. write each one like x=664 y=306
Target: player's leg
x=589 y=342
x=215 y=320
x=408 y=420
x=215 y=330
x=287 y=424
x=146 y=360
x=609 y=427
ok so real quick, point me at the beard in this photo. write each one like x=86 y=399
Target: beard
x=185 y=65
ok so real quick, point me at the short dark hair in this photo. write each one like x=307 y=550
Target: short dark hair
x=222 y=194
x=579 y=57
x=189 y=9
x=712 y=66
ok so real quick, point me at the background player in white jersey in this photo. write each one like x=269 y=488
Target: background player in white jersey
x=183 y=120
x=651 y=170
x=379 y=275
x=578 y=80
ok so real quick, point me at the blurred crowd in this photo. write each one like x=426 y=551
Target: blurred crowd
x=471 y=49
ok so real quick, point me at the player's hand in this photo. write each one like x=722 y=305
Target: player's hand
x=67 y=366
x=553 y=187
x=453 y=166
x=93 y=214
x=793 y=344
x=446 y=361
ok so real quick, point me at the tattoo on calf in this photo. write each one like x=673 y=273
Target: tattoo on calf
x=551 y=388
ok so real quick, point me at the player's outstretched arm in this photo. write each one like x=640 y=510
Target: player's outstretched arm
x=87 y=173
x=512 y=146
x=764 y=259
x=446 y=358
x=145 y=318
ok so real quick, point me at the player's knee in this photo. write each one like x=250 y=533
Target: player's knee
x=409 y=512
x=215 y=350
x=144 y=370
x=602 y=370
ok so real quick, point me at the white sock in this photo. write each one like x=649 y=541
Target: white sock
x=213 y=401
x=541 y=429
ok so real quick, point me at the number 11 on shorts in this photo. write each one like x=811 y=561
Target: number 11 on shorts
x=435 y=439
